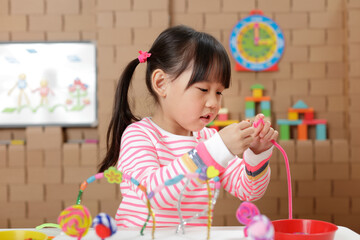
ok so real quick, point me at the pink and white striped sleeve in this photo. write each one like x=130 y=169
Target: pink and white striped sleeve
x=138 y=159
x=248 y=181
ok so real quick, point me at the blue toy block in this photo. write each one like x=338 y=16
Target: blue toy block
x=289 y=122
x=300 y=105
x=249 y=113
x=265 y=105
x=320 y=132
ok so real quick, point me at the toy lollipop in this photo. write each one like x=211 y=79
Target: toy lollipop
x=104 y=225
x=75 y=221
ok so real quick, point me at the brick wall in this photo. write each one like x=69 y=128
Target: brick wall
x=320 y=66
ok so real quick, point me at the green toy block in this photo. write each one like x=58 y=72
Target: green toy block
x=284 y=132
x=266 y=112
x=249 y=105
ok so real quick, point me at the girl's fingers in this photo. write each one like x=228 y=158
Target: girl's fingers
x=265 y=129
x=268 y=135
x=244 y=124
x=247 y=132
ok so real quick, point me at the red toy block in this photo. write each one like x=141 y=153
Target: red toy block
x=309 y=116
x=314 y=121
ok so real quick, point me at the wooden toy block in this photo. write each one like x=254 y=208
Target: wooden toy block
x=300 y=105
x=289 y=122
x=249 y=113
x=302 y=132
x=222 y=117
x=266 y=112
x=320 y=132
x=315 y=121
x=215 y=127
x=257 y=99
x=257 y=93
x=224 y=123
x=249 y=105
x=265 y=105
x=309 y=116
x=223 y=114
x=301 y=110
x=293 y=115
x=284 y=132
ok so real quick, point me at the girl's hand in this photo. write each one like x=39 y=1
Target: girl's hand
x=238 y=136
x=263 y=135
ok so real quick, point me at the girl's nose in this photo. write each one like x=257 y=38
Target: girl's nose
x=212 y=101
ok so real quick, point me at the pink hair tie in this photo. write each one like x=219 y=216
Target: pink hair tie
x=143 y=56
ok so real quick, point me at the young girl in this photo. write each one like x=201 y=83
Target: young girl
x=186 y=73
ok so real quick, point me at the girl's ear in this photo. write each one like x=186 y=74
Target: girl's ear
x=159 y=82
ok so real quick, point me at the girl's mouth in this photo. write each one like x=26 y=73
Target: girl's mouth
x=207 y=117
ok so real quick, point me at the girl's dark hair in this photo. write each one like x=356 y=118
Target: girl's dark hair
x=173 y=52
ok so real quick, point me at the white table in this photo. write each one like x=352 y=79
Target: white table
x=192 y=233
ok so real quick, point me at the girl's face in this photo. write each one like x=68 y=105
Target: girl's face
x=191 y=109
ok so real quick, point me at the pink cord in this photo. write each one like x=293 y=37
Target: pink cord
x=287 y=168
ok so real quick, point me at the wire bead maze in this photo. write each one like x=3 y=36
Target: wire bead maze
x=205 y=174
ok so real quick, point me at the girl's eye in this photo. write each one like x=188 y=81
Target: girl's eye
x=203 y=89
x=219 y=93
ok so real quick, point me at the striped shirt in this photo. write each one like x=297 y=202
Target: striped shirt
x=151 y=155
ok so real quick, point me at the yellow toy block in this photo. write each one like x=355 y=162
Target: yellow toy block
x=293 y=116
x=257 y=93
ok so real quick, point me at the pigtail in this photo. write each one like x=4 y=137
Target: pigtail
x=121 y=117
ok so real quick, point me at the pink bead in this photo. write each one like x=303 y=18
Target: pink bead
x=99 y=175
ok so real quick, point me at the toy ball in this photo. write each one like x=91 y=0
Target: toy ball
x=75 y=221
x=260 y=228
x=104 y=225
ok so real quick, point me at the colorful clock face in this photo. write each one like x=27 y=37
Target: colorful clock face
x=257 y=43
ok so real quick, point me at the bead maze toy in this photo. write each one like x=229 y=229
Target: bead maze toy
x=257 y=98
x=302 y=116
x=258 y=227
x=76 y=219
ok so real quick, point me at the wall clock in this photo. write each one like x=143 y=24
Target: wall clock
x=256 y=43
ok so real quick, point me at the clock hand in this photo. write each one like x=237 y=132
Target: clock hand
x=256 y=34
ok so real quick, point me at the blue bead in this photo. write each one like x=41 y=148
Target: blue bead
x=134 y=182
x=216 y=179
x=174 y=180
x=91 y=179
